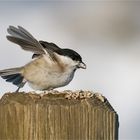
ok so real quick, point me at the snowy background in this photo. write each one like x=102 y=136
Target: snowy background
x=105 y=33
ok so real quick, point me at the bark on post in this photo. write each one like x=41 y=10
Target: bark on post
x=26 y=116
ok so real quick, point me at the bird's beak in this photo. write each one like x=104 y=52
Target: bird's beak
x=82 y=65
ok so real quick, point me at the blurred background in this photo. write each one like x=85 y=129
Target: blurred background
x=105 y=33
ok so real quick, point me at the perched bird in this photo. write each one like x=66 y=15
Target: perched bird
x=51 y=67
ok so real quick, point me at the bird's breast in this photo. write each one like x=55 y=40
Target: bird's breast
x=43 y=74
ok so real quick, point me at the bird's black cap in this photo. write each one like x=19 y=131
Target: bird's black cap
x=65 y=52
x=70 y=53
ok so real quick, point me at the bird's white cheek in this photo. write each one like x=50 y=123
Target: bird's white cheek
x=66 y=61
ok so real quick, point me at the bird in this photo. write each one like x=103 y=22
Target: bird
x=51 y=66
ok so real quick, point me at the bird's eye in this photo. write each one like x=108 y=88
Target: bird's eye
x=74 y=58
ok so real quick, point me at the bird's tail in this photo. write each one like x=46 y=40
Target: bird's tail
x=13 y=75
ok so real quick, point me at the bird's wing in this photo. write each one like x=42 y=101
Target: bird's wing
x=24 y=39
x=48 y=46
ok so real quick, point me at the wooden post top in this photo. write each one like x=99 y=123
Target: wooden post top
x=66 y=98
x=67 y=115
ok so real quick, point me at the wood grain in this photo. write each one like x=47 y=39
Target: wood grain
x=26 y=116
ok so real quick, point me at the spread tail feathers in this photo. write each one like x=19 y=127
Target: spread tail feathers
x=11 y=71
x=13 y=75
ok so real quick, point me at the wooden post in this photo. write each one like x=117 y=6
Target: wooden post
x=84 y=116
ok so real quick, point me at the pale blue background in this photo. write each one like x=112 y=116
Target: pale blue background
x=105 y=33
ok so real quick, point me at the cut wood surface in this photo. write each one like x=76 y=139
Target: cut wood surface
x=66 y=115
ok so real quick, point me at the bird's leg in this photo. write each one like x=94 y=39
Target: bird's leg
x=18 y=89
x=20 y=86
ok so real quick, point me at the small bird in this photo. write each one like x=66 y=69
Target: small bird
x=51 y=66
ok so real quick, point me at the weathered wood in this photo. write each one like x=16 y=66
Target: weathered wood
x=53 y=117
